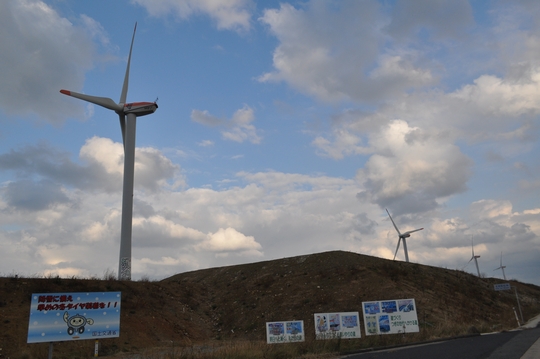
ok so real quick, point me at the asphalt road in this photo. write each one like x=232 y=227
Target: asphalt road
x=506 y=345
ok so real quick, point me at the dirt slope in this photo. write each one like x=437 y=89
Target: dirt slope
x=234 y=302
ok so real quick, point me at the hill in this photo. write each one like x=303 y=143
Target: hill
x=233 y=303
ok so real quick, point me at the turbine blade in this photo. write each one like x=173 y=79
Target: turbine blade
x=122 y=118
x=397 y=248
x=123 y=95
x=101 y=101
x=394 y=224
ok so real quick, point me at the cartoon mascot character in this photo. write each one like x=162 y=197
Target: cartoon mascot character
x=76 y=323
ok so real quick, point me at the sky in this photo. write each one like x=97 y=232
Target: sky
x=284 y=128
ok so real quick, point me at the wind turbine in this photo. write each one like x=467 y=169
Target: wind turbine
x=475 y=258
x=402 y=236
x=502 y=268
x=127 y=113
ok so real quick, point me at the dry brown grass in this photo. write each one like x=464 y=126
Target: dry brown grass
x=221 y=312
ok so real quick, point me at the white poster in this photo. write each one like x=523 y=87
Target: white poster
x=390 y=317
x=337 y=325
x=285 y=332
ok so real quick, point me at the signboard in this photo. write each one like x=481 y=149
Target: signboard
x=390 y=317
x=337 y=325
x=502 y=286
x=285 y=332
x=73 y=316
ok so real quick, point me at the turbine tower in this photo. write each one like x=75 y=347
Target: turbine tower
x=127 y=113
x=502 y=268
x=402 y=236
x=475 y=259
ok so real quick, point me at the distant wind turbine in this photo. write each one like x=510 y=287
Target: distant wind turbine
x=128 y=128
x=402 y=236
x=502 y=268
x=475 y=258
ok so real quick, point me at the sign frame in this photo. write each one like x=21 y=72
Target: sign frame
x=395 y=316
x=502 y=286
x=58 y=317
x=290 y=331
x=343 y=325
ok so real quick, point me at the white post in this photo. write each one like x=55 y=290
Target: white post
x=515 y=313
x=124 y=267
x=477 y=269
x=519 y=305
x=405 y=250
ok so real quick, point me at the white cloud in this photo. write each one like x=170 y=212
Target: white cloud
x=503 y=97
x=228 y=14
x=96 y=30
x=180 y=230
x=444 y=18
x=158 y=231
x=490 y=209
x=237 y=129
x=395 y=69
x=153 y=169
x=230 y=240
x=44 y=53
x=105 y=153
x=317 y=58
x=206 y=143
x=345 y=143
x=413 y=169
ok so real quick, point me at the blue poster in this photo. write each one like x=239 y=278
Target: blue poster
x=371 y=308
x=74 y=316
x=389 y=306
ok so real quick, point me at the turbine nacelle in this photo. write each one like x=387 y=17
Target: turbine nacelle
x=402 y=236
x=140 y=108
x=474 y=257
x=408 y=234
x=501 y=267
x=472 y=250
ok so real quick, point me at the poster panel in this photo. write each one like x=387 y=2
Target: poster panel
x=285 y=332
x=344 y=325
x=390 y=317
x=502 y=286
x=74 y=316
